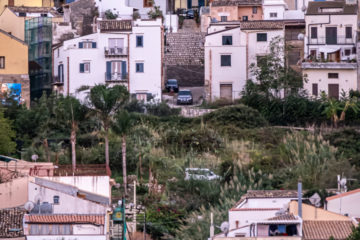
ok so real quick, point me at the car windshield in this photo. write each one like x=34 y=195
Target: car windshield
x=184 y=93
x=172 y=81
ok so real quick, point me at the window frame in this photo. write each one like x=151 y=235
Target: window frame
x=139 y=70
x=2 y=66
x=347 y=51
x=84 y=67
x=273 y=15
x=224 y=40
x=223 y=62
x=148 y=3
x=57 y=197
x=142 y=41
x=254 y=10
x=223 y=18
x=258 y=39
x=313 y=32
x=314 y=87
x=348 y=34
x=333 y=75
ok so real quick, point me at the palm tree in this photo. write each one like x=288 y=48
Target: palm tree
x=332 y=106
x=70 y=112
x=350 y=103
x=105 y=102
x=122 y=127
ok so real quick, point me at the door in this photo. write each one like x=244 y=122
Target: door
x=189 y=4
x=226 y=91
x=331 y=35
x=334 y=91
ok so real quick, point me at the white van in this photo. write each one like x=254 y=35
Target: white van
x=200 y=174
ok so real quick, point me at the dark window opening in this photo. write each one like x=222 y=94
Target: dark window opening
x=226 y=40
x=223 y=18
x=225 y=60
x=333 y=75
x=348 y=32
x=313 y=32
x=261 y=37
x=2 y=62
x=139 y=41
x=254 y=10
x=245 y=18
x=56 y=199
x=315 y=89
x=347 y=52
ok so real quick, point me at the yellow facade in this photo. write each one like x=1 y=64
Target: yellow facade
x=13 y=24
x=15 y=53
x=27 y=3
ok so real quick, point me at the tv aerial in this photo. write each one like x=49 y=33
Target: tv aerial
x=315 y=200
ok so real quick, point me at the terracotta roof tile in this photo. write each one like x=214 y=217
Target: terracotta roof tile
x=262 y=24
x=236 y=3
x=115 y=25
x=323 y=230
x=283 y=217
x=92 y=219
x=343 y=194
x=254 y=209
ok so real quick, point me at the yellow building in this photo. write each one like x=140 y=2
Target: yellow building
x=14 y=73
x=26 y=3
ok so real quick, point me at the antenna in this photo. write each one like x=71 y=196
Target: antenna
x=315 y=200
x=37 y=199
x=29 y=206
x=224 y=227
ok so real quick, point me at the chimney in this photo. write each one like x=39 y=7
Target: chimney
x=300 y=199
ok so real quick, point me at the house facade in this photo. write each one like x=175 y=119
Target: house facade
x=330 y=48
x=274 y=9
x=238 y=10
x=121 y=52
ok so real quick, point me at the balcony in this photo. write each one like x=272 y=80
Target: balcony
x=116 y=52
x=116 y=77
x=57 y=81
x=329 y=65
x=340 y=40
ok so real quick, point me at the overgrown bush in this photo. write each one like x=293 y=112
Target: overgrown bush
x=162 y=110
x=110 y=15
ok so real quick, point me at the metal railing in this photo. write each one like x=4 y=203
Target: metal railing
x=333 y=41
x=116 y=51
x=116 y=77
x=57 y=80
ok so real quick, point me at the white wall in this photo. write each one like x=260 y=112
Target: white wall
x=349 y=204
x=99 y=185
x=266 y=203
x=67 y=203
x=139 y=4
x=274 y=6
x=217 y=74
x=119 y=7
x=66 y=237
x=79 y=229
x=246 y=217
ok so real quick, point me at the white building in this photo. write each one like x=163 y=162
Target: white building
x=121 y=52
x=330 y=48
x=274 y=9
x=346 y=203
x=230 y=48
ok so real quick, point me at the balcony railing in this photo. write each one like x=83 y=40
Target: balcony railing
x=57 y=80
x=331 y=41
x=116 y=51
x=116 y=77
x=329 y=65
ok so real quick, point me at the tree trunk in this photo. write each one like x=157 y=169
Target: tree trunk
x=124 y=163
x=107 y=160
x=46 y=146
x=73 y=149
x=342 y=116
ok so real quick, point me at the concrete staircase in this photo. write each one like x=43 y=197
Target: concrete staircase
x=189 y=25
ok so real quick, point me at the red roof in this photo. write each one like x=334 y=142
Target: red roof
x=254 y=209
x=343 y=194
x=92 y=219
x=323 y=230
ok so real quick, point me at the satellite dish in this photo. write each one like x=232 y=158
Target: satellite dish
x=301 y=36
x=37 y=199
x=34 y=157
x=29 y=206
x=303 y=8
x=343 y=182
x=315 y=200
x=225 y=228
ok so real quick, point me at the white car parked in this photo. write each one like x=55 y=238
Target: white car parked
x=200 y=174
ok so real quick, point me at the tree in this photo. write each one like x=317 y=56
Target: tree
x=332 y=106
x=7 y=134
x=122 y=127
x=355 y=235
x=105 y=102
x=70 y=112
x=155 y=13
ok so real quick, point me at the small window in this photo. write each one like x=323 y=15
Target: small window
x=261 y=37
x=2 y=62
x=139 y=41
x=226 y=40
x=347 y=52
x=245 y=18
x=348 y=32
x=22 y=14
x=139 y=67
x=225 y=60
x=273 y=15
x=56 y=199
x=85 y=67
x=315 y=89
x=313 y=53
x=313 y=32
x=333 y=75
x=354 y=50
x=223 y=18
x=148 y=3
x=254 y=10
x=43 y=15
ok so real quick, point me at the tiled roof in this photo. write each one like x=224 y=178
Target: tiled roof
x=11 y=219
x=319 y=8
x=236 y=3
x=91 y=219
x=254 y=209
x=283 y=217
x=115 y=25
x=261 y=24
x=267 y=194
x=323 y=230
x=343 y=194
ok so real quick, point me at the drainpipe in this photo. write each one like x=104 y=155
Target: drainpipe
x=68 y=76
x=210 y=77
x=300 y=199
x=247 y=56
x=309 y=33
x=128 y=65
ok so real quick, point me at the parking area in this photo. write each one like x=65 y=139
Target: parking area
x=197 y=92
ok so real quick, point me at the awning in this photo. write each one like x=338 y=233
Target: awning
x=6 y=159
x=329 y=49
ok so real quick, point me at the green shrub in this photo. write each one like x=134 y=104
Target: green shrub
x=162 y=110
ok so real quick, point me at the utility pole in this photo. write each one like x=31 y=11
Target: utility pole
x=134 y=219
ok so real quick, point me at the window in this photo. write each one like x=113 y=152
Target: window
x=333 y=75
x=85 y=67
x=139 y=67
x=348 y=31
x=273 y=15
x=225 y=60
x=61 y=72
x=315 y=89
x=331 y=35
x=245 y=18
x=347 y=52
x=354 y=50
x=2 y=62
x=226 y=40
x=87 y=44
x=333 y=90
x=223 y=18
x=261 y=37
x=139 y=41
x=142 y=97
x=254 y=10
x=56 y=199
x=294 y=58
x=43 y=15
x=148 y=3
x=116 y=70
x=313 y=53
x=22 y=14
x=313 y=32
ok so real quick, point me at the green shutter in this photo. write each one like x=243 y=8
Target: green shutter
x=82 y=68
x=123 y=69
x=93 y=44
x=108 y=70
x=80 y=44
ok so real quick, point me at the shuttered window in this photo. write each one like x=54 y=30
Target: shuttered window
x=139 y=67
x=85 y=67
x=87 y=44
x=348 y=32
x=315 y=89
x=313 y=32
